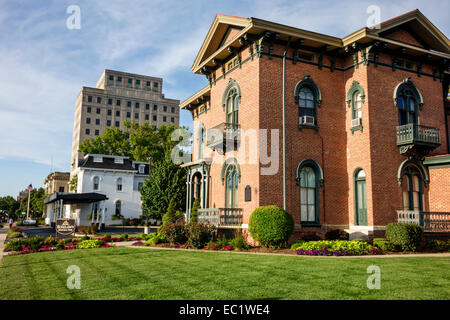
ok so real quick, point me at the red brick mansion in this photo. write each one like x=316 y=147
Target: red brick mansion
x=349 y=133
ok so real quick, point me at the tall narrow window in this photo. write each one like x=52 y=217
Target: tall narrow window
x=96 y=183
x=309 y=178
x=232 y=108
x=231 y=187
x=308 y=98
x=407 y=99
x=306 y=106
x=201 y=141
x=308 y=195
x=118 y=208
x=360 y=198
x=357 y=106
x=119 y=184
x=412 y=187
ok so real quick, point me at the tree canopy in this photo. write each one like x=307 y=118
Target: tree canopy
x=137 y=141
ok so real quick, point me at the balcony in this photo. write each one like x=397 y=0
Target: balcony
x=221 y=217
x=223 y=136
x=430 y=221
x=421 y=138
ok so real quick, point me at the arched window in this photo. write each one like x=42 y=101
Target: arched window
x=308 y=97
x=96 y=183
x=360 y=198
x=357 y=105
x=201 y=141
x=118 y=211
x=232 y=108
x=231 y=187
x=412 y=189
x=408 y=100
x=119 y=184
x=309 y=178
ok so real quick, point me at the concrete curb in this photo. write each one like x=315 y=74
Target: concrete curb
x=413 y=255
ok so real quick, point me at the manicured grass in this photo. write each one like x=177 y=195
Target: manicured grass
x=133 y=273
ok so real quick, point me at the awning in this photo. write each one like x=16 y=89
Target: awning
x=70 y=198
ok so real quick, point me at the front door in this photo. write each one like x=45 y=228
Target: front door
x=361 y=203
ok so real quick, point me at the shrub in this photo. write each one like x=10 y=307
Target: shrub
x=335 y=247
x=15 y=245
x=336 y=234
x=89 y=244
x=223 y=242
x=35 y=242
x=383 y=244
x=153 y=239
x=60 y=246
x=404 y=236
x=124 y=236
x=440 y=245
x=18 y=223
x=297 y=244
x=13 y=235
x=50 y=241
x=271 y=226
x=194 y=211
x=199 y=234
x=239 y=242
x=41 y=222
x=174 y=232
x=93 y=229
x=107 y=236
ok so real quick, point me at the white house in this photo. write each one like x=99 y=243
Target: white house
x=107 y=190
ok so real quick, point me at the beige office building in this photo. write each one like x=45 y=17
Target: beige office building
x=57 y=182
x=120 y=96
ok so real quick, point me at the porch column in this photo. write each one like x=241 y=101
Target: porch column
x=92 y=213
x=61 y=205
x=103 y=212
x=188 y=195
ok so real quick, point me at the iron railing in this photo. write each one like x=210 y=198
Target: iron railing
x=221 y=217
x=417 y=134
x=430 y=221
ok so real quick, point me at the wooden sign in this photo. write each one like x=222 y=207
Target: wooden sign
x=65 y=227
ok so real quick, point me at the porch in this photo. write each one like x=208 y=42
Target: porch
x=221 y=217
x=430 y=221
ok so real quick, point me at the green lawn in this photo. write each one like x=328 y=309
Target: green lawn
x=133 y=273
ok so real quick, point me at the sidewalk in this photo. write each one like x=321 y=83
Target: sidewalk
x=3 y=233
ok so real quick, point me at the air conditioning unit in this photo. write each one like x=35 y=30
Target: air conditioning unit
x=308 y=120
x=356 y=122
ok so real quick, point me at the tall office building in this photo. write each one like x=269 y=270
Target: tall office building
x=120 y=96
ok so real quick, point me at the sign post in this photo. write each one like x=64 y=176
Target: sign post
x=65 y=227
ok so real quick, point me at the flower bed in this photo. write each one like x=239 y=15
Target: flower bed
x=338 y=253
x=335 y=248
x=218 y=247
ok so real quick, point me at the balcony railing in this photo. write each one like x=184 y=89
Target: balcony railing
x=414 y=134
x=221 y=217
x=430 y=221
x=222 y=135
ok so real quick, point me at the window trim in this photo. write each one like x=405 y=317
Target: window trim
x=319 y=184
x=399 y=91
x=308 y=82
x=355 y=87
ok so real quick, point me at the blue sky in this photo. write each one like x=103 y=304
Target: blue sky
x=43 y=65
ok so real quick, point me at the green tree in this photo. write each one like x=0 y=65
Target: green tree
x=73 y=184
x=8 y=205
x=140 y=142
x=194 y=211
x=37 y=206
x=166 y=183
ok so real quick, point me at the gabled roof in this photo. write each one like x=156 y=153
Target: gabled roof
x=217 y=40
x=415 y=23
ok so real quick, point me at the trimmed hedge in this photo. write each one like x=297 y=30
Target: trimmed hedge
x=383 y=244
x=271 y=226
x=404 y=236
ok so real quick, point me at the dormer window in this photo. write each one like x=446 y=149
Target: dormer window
x=141 y=168
x=98 y=159
x=118 y=160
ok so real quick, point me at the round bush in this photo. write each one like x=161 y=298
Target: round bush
x=404 y=236
x=271 y=226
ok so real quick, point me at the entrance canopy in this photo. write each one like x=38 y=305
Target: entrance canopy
x=71 y=198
